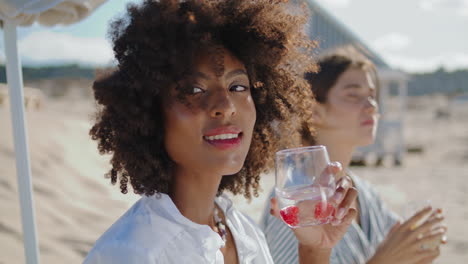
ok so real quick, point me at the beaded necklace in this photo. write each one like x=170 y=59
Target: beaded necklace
x=220 y=225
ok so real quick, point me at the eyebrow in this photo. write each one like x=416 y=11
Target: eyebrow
x=229 y=75
x=235 y=73
x=353 y=86
x=358 y=86
x=201 y=75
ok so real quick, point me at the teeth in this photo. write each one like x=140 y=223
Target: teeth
x=222 y=136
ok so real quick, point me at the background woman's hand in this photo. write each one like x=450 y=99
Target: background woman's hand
x=409 y=243
x=328 y=235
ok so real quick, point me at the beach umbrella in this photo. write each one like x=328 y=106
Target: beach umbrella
x=14 y=13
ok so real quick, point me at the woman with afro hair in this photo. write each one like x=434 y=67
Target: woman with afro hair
x=187 y=115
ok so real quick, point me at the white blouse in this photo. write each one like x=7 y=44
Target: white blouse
x=154 y=231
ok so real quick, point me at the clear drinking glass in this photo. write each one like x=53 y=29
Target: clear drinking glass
x=304 y=186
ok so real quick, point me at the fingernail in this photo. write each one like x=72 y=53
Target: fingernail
x=338 y=195
x=340 y=213
x=443 y=239
x=336 y=164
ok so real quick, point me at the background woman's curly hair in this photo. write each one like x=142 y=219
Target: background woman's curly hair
x=155 y=44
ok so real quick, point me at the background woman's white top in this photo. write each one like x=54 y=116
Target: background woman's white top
x=154 y=231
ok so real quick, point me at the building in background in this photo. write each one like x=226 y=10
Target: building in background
x=331 y=34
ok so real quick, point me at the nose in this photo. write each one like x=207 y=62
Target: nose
x=222 y=105
x=371 y=105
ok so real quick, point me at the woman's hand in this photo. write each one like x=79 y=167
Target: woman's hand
x=410 y=242
x=325 y=237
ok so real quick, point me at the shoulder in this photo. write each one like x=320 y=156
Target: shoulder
x=118 y=252
x=144 y=231
x=365 y=188
x=372 y=202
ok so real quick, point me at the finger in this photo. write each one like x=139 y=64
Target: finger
x=426 y=256
x=334 y=168
x=435 y=212
x=328 y=174
x=411 y=223
x=394 y=227
x=429 y=225
x=430 y=254
x=444 y=239
x=349 y=217
x=274 y=208
x=442 y=228
x=432 y=237
x=429 y=242
x=343 y=184
x=336 y=222
x=427 y=260
x=348 y=200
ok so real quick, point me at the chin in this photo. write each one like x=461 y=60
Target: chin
x=229 y=166
x=366 y=140
x=230 y=170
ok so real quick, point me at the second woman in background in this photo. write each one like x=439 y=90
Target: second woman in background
x=345 y=117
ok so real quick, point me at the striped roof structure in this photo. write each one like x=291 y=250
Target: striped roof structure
x=331 y=33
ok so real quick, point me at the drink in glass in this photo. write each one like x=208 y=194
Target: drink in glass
x=304 y=186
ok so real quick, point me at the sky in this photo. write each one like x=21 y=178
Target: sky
x=411 y=35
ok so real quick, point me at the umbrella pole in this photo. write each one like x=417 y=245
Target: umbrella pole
x=23 y=169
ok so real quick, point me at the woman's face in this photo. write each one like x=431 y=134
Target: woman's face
x=351 y=112
x=212 y=134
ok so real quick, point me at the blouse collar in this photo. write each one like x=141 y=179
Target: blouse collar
x=247 y=248
x=211 y=242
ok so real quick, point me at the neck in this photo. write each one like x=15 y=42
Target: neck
x=194 y=194
x=338 y=150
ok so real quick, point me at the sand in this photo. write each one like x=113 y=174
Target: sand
x=74 y=204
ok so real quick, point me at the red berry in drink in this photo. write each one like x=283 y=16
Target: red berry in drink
x=289 y=215
x=323 y=210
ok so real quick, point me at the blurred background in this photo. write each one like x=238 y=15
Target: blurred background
x=421 y=153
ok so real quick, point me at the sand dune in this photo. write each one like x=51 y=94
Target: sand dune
x=75 y=204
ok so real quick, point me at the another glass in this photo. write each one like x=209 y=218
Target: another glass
x=304 y=186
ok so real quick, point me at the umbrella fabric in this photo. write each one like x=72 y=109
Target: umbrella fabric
x=46 y=12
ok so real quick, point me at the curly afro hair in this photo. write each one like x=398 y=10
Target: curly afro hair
x=155 y=44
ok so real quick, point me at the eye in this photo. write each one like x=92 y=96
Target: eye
x=197 y=90
x=238 y=88
x=354 y=96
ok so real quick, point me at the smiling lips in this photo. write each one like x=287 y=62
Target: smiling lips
x=369 y=122
x=224 y=137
